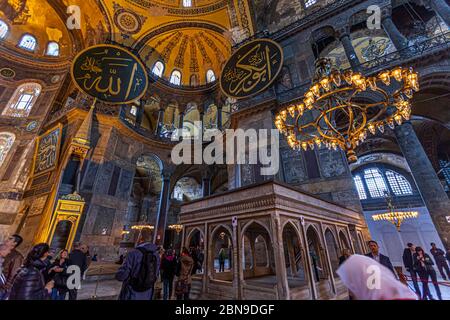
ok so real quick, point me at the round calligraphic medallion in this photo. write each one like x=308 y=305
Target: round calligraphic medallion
x=110 y=74
x=252 y=69
x=7 y=73
x=32 y=125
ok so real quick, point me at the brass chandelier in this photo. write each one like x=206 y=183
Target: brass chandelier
x=346 y=106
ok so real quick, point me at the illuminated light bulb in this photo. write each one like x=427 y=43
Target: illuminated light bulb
x=348 y=76
x=311 y=145
x=408 y=93
x=361 y=137
x=402 y=104
x=300 y=108
x=385 y=78
x=390 y=123
x=334 y=146
x=325 y=83
x=316 y=90
x=406 y=114
x=361 y=84
x=291 y=111
x=357 y=142
x=304 y=146
x=283 y=115
x=309 y=102
x=380 y=127
x=372 y=83
x=398 y=119
x=413 y=80
x=318 y=142
x=372 y=128
x=336 y=77
x=397 y=73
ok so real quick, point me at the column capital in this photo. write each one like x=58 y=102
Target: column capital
x=342 y=32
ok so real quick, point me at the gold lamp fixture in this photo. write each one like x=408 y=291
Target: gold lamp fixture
x=396 y=218
x=346 y=107
x=176 y=227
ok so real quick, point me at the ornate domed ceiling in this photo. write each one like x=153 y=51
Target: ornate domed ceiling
x=191 y=39
x=192 y=51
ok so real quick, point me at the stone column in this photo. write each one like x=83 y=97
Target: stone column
x=206 y=182
x=398 y=39
x=202 y=125
x=139 y=115
x=181 y=121
x=219 y=117
x=328 y=260
x=160 y=122
x=235 y=263
x=309 y=268
x=350 y=51
x=280 y=262
x=441 y=8
x=427 y=181
x=161 y=219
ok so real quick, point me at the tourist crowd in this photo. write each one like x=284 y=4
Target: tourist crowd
x=43 y=276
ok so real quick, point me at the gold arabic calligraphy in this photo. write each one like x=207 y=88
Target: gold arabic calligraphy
x=252 y=69
x=101 y=75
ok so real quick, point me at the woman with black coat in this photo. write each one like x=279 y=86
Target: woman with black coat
x=29 y=283
x=424 y=267
x=58 y=273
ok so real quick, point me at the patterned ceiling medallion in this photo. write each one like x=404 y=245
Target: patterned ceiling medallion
x=7 y=73
x=127 y=21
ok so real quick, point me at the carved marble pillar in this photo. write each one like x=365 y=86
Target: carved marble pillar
x=427 y=181
x=202 y=125
x=161 y=219
x=181 y=121
x=235 y=262
x=280 y=262
x=346 y=41
x=442 y=9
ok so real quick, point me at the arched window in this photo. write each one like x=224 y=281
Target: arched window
x=187 y=3
x=6 y=142
x=3 y=29
x=360 y=188
x=53 y=49
x=175 y=78
x=399 y=185
x=23 y=100
x=158 y=69
x=28 y=42
x=375 y=183
x=210 y=76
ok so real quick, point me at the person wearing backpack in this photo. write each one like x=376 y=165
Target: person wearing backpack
x=139 y=270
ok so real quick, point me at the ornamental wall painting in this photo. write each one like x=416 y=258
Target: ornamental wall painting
x=47 y=151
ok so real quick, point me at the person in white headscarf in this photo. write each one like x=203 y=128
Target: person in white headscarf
x=367 y=279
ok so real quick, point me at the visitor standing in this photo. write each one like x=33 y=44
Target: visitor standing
x=184 y=275
x=424 y=266
x=29 y=283
x=441 y=263
x=408 y=262
x=13 y=261
x=140 y=269
x=168 y=269
x=78 y=258
x=377 y=256
x=58 y=272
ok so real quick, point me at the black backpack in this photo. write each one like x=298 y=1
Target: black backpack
x=146 y=277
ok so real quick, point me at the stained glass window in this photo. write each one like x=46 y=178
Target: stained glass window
x=360 y=187
x=53 y=49
x=3 y=29
x=175 y=78
x=210 y=76
x=28 y=42
x=399 y=185
x=375 y=183
x=23 y=100
x=158 y=69
x=187 y=3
